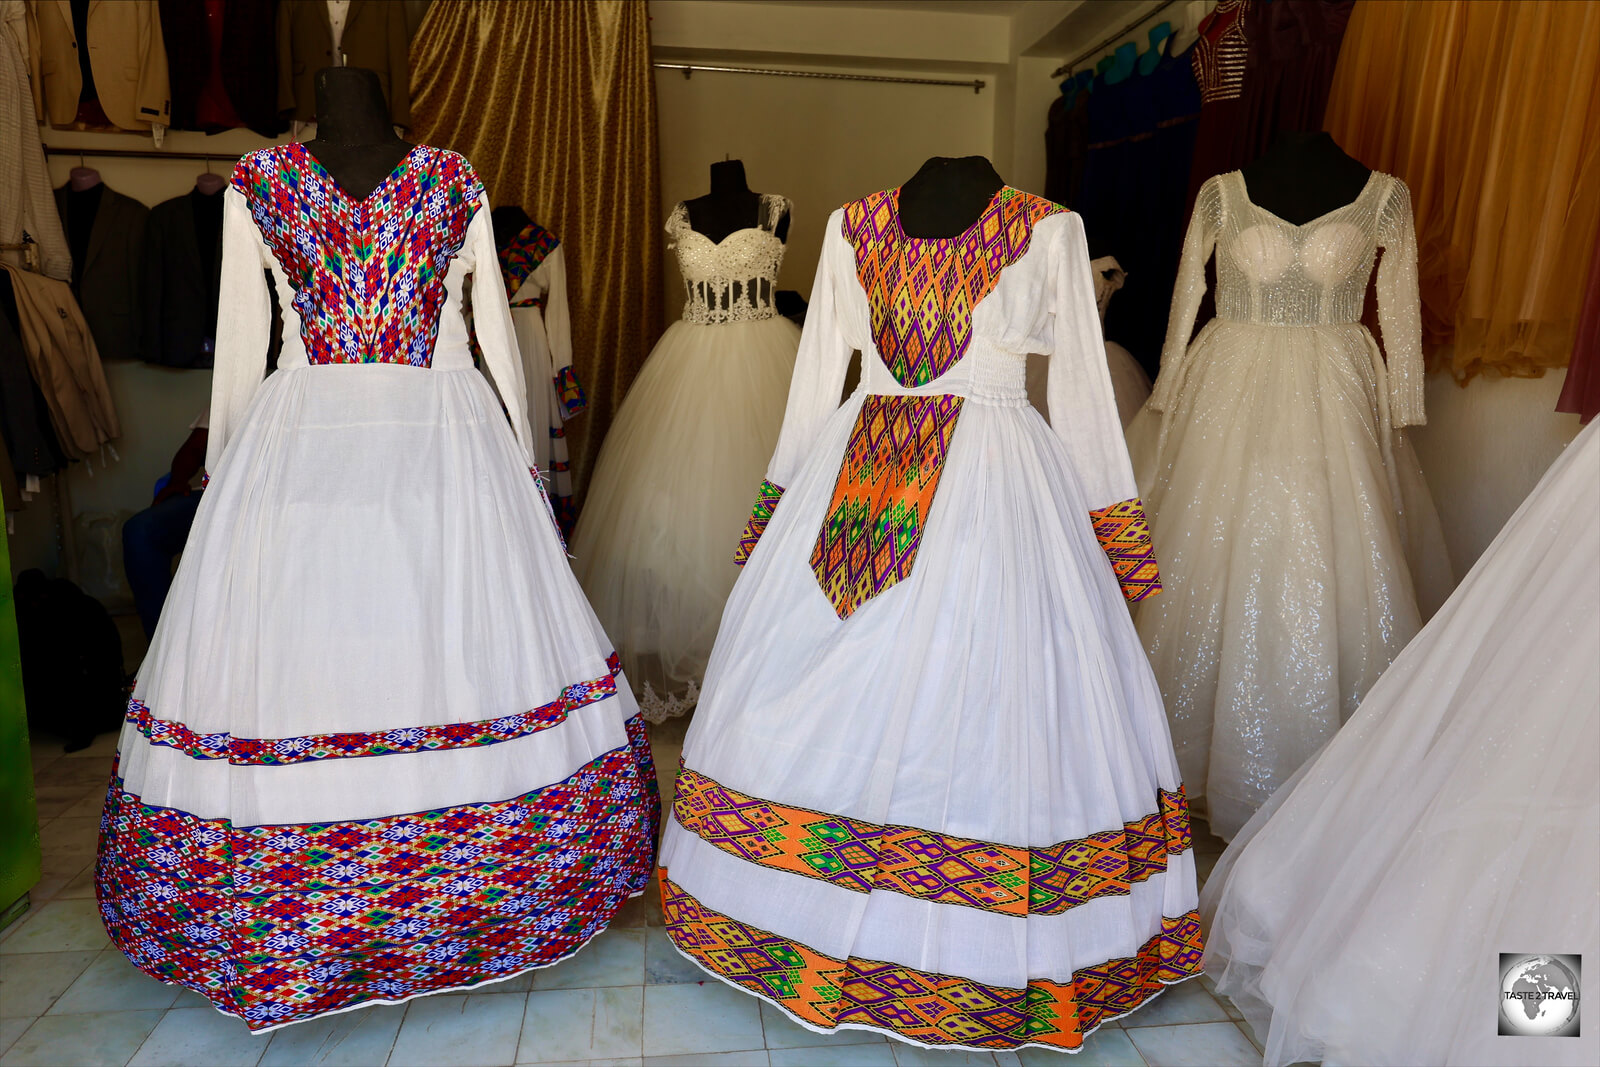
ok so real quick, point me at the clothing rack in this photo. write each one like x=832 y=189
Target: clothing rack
x=1067 y=68
x=976 y=84
x=141 y=153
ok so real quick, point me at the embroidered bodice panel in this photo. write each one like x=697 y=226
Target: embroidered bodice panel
x=368 y=275
x=734 y=279
x=922 y=291
x=521 y=257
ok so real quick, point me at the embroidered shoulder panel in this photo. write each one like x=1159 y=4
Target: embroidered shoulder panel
x=368 y=275
x=529 y=248
x=761 y=514
x=1124 y=534
x=921 y=290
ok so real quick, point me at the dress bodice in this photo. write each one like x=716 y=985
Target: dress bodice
x=734 y=279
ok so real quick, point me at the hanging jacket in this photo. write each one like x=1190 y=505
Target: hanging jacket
x=64 y=362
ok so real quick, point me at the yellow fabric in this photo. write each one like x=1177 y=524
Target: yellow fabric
x=554 y=102
x=1486 y=108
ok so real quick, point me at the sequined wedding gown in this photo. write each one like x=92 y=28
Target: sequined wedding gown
x=672 y=485
x=1298 y=542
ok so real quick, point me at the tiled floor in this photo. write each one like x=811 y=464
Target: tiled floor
x=68 y=997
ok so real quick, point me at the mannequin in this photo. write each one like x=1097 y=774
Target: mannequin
x=508 y=220
x=355 y=141
x=730 y=206
x=1303 y=176
x=946 y=196
x=1158 y=40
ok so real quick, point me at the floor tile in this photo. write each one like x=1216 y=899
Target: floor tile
x=625 y=1061
x=361 y=1038
x=1204 y=864
x=612 y=958
x=88 y=806
x=878 y=1054
x=635 y=912
x=110 y=1038
x=31 y=981
x=1212 y=1044
x=111 y=983
x=10 y=1030
x=79 y=772
x=783 y=1032
x=59 y=926
x=581 y=1024
x=70 y=833
x=1227 y=1005
x=665 y=965
x=913 y=1056
x=477 y=1030
x=684 y=1019
x=80 y=886
x=50 y=801
x=1250 y=1032
x=103 y=748
x=1187 y=1002
x=1106 y=1047
x=749 y=1058
x=200 y=1037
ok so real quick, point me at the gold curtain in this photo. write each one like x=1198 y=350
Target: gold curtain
x=1488 y=111
x=554 y=102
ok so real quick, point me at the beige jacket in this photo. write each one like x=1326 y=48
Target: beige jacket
x=126 y=55
x=64 y=362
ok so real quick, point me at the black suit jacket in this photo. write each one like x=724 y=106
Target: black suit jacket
x=249 y=63
x=108 y=287
x=181 y=281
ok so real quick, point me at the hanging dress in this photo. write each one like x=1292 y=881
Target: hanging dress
x=1360 y=917
x=671 y=488
x=379 y=747
x=1298 y=540
x=534 y=267
x=929 y=790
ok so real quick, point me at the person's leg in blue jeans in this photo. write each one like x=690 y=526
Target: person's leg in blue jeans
x=151 y=540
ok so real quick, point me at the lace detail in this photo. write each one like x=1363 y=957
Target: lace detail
x=734 y=279
x=657 y=708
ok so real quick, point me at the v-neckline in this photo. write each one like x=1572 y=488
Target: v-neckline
x=900 y=229
x=1244 y=189
x=344 y=195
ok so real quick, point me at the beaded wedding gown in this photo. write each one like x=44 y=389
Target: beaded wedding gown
x=379 y=747
x=671 y=488
x=1298 y=542
x=1359 y=918
x=929 y=789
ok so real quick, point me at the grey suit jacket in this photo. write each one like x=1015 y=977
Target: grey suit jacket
x=108 y=288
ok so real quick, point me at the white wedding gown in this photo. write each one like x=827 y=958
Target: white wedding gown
x=672 y=486
x=1359 y=917
x=1297 y=538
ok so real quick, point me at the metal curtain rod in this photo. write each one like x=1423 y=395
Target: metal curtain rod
x=976 y=84
x=1114 y=38
x=140 y=153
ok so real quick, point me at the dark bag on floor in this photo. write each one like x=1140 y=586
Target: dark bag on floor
x=72 y=676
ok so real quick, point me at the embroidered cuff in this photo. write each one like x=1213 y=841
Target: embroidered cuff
x=760 y=515
x=1124 y=534
x=571 y=393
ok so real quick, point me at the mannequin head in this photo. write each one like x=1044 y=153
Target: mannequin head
x=351 y=108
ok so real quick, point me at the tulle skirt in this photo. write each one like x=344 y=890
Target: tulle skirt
x=670 y=494
x=1359 y=917
x=955 y=812
x=1299 y=550
x=378 y=747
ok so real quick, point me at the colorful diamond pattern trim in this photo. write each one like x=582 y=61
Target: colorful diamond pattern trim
x=522 y=256
x=1124 y=534
x=368 y=275
x=881 y=500
x=921 y=291
x=862 y=856
x=919 y=1006
x=280 y=751
x=277 y=924
x=570 y=390
x=766 y=502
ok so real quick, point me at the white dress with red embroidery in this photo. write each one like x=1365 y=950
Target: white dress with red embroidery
x=929 y=790
x=379 y=746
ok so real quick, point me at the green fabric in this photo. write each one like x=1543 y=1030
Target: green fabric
x=19 y=824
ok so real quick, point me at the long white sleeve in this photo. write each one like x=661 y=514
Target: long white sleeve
x=557 y=319
x=491 y=319
x=1083 y=406
x=244 y=325
x=1190 y=290
x=820 y=364
x=1400 y=308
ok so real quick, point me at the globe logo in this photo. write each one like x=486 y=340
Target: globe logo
x=1538 y=995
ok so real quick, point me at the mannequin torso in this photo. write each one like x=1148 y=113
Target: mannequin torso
x=730 y=206
x=355 y=141
x=508 y=221
x=1303 y=176
x=946 y=196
